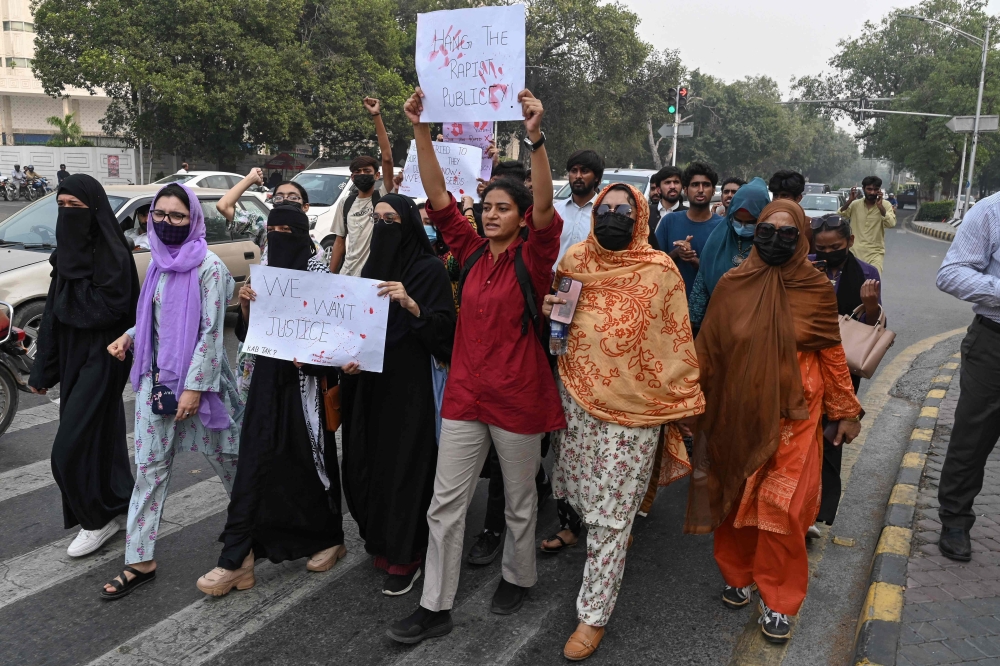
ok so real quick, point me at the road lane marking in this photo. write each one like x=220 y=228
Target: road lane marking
x=211 y=625
x=750 y=647
x=49 y=565
x=34 y=416
x=29 y=478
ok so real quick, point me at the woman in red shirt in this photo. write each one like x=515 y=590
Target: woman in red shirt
x=500 y=386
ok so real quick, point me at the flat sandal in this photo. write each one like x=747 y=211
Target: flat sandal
x=123 y=589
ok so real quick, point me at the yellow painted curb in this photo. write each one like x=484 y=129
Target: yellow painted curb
x=942 y=379
x=923 y=434
x=903 y=493
x=950 y=366
x=932 y=412
x=884 y=602
x=914 y=460
x=894 y=540
x=937 y=393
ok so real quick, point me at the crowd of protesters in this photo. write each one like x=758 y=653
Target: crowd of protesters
x=705 y=343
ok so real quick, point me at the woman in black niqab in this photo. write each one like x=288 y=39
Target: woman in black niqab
x=390 y=447
x=91 y=302
x=286 y=497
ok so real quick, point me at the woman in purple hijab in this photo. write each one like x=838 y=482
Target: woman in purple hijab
x=186 y=397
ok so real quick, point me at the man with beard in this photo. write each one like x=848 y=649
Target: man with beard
x=584 y=168
x=729 y=188
x=667 y=182
x=682 y=234
x=869 y=217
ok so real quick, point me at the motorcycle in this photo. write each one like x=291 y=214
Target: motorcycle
x=6 y=188
x=39 y=187
x=15 y=366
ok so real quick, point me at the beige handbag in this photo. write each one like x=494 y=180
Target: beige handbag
x=864 y=345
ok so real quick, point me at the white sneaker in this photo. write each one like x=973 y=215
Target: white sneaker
x=812 y=532
x=87 y=541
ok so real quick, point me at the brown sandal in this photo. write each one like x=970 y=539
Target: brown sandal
x=579 y=647
x=556 y=537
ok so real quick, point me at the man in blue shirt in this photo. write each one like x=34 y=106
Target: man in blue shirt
x=682 y=234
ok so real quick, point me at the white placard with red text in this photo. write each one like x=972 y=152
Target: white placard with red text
x=473 y=134
x=470 y=63
x=459 y=162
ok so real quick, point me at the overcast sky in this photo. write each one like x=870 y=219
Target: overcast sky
x=780 y=38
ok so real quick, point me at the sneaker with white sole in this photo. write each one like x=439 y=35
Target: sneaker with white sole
x=87 y=541
x=813 y=532
x=773 y=625
x=737 y=597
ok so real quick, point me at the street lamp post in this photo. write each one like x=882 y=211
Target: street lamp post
x=985 y=43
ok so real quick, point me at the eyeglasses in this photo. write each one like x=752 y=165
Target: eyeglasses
x=388 y=218
x=286 y=198
x=621 y=209
x=174 y=218
x=829 y=221
x=766 y=231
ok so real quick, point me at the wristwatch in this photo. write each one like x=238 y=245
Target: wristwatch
x=534 y=146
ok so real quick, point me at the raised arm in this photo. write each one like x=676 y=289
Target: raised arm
x=430 y=170
x=227 y=204
x=374 y=108
x=541 y=175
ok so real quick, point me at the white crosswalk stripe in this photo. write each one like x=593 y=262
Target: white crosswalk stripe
x=49 y=565
x=210 y=626
x=34 y=416
x=37 y=475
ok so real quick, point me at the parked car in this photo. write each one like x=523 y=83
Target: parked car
x=557 y=189
x=817 y=188
x=28 y=237
x=325 y=187
x=216 y=180
x=637 y=178
x=817 y=205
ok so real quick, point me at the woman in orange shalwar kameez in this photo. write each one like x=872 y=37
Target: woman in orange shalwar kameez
x=771 y=366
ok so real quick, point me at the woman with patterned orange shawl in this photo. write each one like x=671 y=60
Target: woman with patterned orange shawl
x=630 y=369
x=771 y=366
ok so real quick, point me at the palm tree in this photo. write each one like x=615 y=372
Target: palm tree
x=68 y=133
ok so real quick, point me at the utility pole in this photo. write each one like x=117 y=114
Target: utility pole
x=677 y=122
x=975 y=129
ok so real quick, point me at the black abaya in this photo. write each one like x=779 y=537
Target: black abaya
x=390 y=447
x=91 y=302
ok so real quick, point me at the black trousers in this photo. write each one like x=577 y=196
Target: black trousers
x=831 y=484
x=977 y=425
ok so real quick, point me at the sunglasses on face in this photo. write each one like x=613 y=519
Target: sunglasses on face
x=831 y=221
x=621 y=209
x=388 y=218
x=766 y=231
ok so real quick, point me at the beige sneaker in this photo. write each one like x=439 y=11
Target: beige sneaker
x=325 y=559
x=218 y=582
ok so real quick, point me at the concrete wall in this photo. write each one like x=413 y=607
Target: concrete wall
x=92 y=161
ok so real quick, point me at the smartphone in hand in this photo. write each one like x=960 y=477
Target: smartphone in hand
x=569 y=290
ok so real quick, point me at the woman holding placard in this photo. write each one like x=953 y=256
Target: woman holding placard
x=500 y=387
x=186 y=395
x=389 y=440
x=286 y=499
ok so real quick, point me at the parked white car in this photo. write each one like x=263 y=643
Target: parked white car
x=325 y=187
x=637 y=178
x=216 y=180
x=818 y=205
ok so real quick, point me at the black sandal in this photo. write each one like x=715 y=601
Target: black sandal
x=123 y=589
x=558 y=538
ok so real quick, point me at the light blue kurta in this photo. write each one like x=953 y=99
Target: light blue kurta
x=159 y=438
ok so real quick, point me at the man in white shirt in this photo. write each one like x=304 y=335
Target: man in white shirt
x=584 y=168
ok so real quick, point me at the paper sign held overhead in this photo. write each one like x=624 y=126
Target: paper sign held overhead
x=317 y=318
x=470 y=63
x=460 y=164
x=473 y=134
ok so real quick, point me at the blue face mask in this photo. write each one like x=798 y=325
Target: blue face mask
x=743 y=230
x=432 y=232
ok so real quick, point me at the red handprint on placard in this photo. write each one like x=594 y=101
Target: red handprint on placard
x=447 y=45
x=497 y=90
x=456 y=129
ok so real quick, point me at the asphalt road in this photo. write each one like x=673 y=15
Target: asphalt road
x=668 y=611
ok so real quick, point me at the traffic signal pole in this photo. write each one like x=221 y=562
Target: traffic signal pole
x=677 y=122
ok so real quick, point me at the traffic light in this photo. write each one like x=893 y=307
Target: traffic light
x=682 y=100
x=672 y=96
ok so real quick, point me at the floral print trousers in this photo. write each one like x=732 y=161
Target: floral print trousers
x=602 y=469
x=150 y=494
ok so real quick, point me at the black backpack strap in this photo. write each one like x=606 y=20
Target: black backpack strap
x=351 y=198
x=469 y=263
x=530 y=317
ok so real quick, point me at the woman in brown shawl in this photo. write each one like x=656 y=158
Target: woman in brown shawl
x=630 y=370
x=771 y=366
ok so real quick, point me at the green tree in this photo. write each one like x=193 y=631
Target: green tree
x=213 y=78
x=68 y=132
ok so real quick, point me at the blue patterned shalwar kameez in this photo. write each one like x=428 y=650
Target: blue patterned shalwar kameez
x=159 y=438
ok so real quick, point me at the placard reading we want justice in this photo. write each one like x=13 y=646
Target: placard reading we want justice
x=460 y=164
x=470 y=63
x=317 y=318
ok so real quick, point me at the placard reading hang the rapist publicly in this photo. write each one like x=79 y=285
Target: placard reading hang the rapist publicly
x=477 y=134
x=317 y=318
x=470 y=63
x=459 y=163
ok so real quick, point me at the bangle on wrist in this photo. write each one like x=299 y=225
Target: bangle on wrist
x=855 y=419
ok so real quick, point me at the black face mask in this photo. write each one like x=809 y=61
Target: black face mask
x=833 y=258
x=289 y=250
x=614 y=231
x=364 y=181
x=75 y=232
x=775 y=251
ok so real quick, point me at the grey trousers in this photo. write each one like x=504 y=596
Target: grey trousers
x=461 y=454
